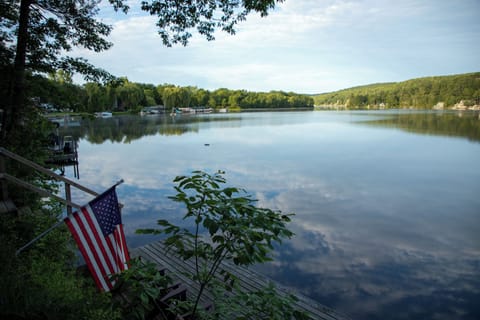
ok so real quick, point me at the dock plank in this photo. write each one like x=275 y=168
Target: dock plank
x=248 y=280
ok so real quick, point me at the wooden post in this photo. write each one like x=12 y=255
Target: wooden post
x=68 y=197
x=6 y=204
x=3 y=182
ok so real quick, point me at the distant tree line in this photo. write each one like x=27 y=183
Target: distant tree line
x=59 y=91
x=416 y=93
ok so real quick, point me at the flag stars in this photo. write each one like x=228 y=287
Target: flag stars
x=107 y=212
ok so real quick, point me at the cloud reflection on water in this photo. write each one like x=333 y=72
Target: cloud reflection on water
x=384 y=227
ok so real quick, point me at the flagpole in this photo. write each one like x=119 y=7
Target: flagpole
x=119 y=182
x=44 y=233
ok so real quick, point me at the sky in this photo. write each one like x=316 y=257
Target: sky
x=304 y=46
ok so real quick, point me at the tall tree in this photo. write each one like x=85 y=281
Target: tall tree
x=176 y=97
x=45 y=29
x=130 y=95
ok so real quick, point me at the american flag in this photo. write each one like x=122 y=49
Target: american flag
x=98 y=231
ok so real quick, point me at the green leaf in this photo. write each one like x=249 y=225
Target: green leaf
x=152 y=293
x=144 y=298
x=179 y=178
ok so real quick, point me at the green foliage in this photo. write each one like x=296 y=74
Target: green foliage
x=41 y=283
x=243 y=99
x=54 y=28
x=137 y=289
x=177 y=18
x=265 y=303
x=97 y=97
x=29 y=140
x=129 y=95
x=124 y=95
x=268 y=304
x=417 y=93
x=227 y=226
x=57 y=91
x=176 y=97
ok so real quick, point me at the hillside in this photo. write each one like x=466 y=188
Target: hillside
x=456 y=91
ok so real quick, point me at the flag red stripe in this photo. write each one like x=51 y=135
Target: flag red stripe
x=122 y=244
x=92 y=243
x=103 y=241
x=121 y=251
x=83 y=250
x=111 y=244
x=97 y=234
x=111 y=248
x=123 y=241
x=92 y=250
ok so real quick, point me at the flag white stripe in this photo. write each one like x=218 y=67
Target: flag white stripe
x=102 y=238
x=122 y=247
x=111 y=240
x=85 y=244
x=94 y=246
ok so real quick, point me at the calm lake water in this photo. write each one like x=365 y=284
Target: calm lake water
x=387 y=204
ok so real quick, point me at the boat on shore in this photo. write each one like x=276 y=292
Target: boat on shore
x=203 y=110
x=65 y=121
x=154 y=110
x=104 y=114
x=194 y=110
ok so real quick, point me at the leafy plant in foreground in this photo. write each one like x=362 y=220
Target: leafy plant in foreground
x=227 y=226
x=137 y=289
x=264 y=303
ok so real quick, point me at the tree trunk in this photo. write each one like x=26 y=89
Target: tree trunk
x=16 y=95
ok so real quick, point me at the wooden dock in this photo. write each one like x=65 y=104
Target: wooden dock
x=248 y=280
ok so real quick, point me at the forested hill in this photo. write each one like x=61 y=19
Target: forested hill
x=459 y=91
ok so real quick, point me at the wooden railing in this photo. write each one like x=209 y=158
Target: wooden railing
x=4 y=177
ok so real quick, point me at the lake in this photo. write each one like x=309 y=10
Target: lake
x=387 y=203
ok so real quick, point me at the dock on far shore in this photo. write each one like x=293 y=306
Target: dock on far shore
x=248 y=279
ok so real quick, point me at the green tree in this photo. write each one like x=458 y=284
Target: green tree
x=176 y=97
x=129 y=95
x=36 y=33
x=200 y=97
x=97 y=97
x=235 y=99
x=237 y=230
x=418 y=93
x=151 y=96
x=220 y=97
x=61 y=76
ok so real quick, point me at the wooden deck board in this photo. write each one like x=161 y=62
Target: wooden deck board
x=248 y=279
x=176 y=268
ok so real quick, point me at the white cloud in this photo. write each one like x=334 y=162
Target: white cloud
x=304 y=46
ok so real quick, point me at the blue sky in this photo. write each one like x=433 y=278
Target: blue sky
x=305 y=46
